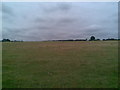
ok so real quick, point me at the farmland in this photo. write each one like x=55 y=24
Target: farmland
x=70 y=64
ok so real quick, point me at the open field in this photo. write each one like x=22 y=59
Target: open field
x=82 y=64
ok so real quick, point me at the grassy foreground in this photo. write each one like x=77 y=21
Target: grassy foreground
x=84 y=64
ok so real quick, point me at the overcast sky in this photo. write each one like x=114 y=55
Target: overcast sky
x=38 y=21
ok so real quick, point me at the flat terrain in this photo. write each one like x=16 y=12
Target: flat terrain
x=70 y=64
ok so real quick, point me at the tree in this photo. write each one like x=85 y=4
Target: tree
x=92 y=38
x=5 y=40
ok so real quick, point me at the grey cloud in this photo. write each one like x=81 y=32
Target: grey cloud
x=66 y=20
x=7 y=10
x=39 y=20
x=42 y=27
x=64 y=6
x=93 y=28
x=14 y=32
x=52 y=22
x=58 y=7
x=8 y=14
x=60 y=20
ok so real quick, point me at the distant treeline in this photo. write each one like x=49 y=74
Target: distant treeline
x=8 y=40
x=92 y=38
x=86 y=40
x=71 y=40
x=109 y=39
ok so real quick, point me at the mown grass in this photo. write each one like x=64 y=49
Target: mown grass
x=84 y=64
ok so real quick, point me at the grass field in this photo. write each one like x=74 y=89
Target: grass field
x=84 y=64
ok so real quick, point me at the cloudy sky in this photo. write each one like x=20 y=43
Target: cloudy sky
x=39 y=21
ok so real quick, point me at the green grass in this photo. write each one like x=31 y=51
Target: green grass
x=84 y=64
